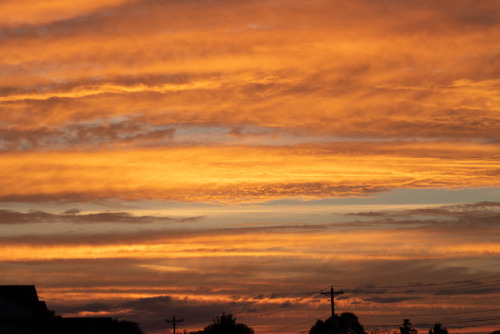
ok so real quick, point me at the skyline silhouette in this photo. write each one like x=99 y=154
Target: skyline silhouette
x=21 y=312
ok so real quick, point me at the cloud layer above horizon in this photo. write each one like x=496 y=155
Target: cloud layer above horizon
x=247 y=100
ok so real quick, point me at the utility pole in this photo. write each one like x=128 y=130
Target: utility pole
x=332 y=295
x=173 y=321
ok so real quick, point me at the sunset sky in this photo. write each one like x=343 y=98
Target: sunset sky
x=193 y=157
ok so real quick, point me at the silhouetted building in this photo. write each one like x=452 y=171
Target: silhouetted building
x=21 y=311
x=5 y=328
x=87 y=325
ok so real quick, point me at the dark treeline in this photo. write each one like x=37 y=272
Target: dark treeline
x=346 y=323
x=225 y=324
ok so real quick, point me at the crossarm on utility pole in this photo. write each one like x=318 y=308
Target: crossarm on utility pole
x=332 y=295
x=174 y=321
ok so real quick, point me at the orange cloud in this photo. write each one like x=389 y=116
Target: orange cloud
x=22 y=12
x=410 y=71
x=357 y=244
x=234 y=174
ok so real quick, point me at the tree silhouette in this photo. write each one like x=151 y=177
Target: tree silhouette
x=125 y=327
x=438 y=329
x=346 y=323
x=407 y=329
x=225 y=324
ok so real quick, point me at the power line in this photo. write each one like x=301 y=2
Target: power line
x=422 y=289
x=293 y=325
x=469 y=286
x=430 y=315
x=426 y=285
x=264 y=321
x=278 y=307
x=471 y=320
x=152 y=324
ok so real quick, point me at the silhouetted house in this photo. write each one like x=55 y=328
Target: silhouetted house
x=21 y=311
x=87 y=325
x=5 y=328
